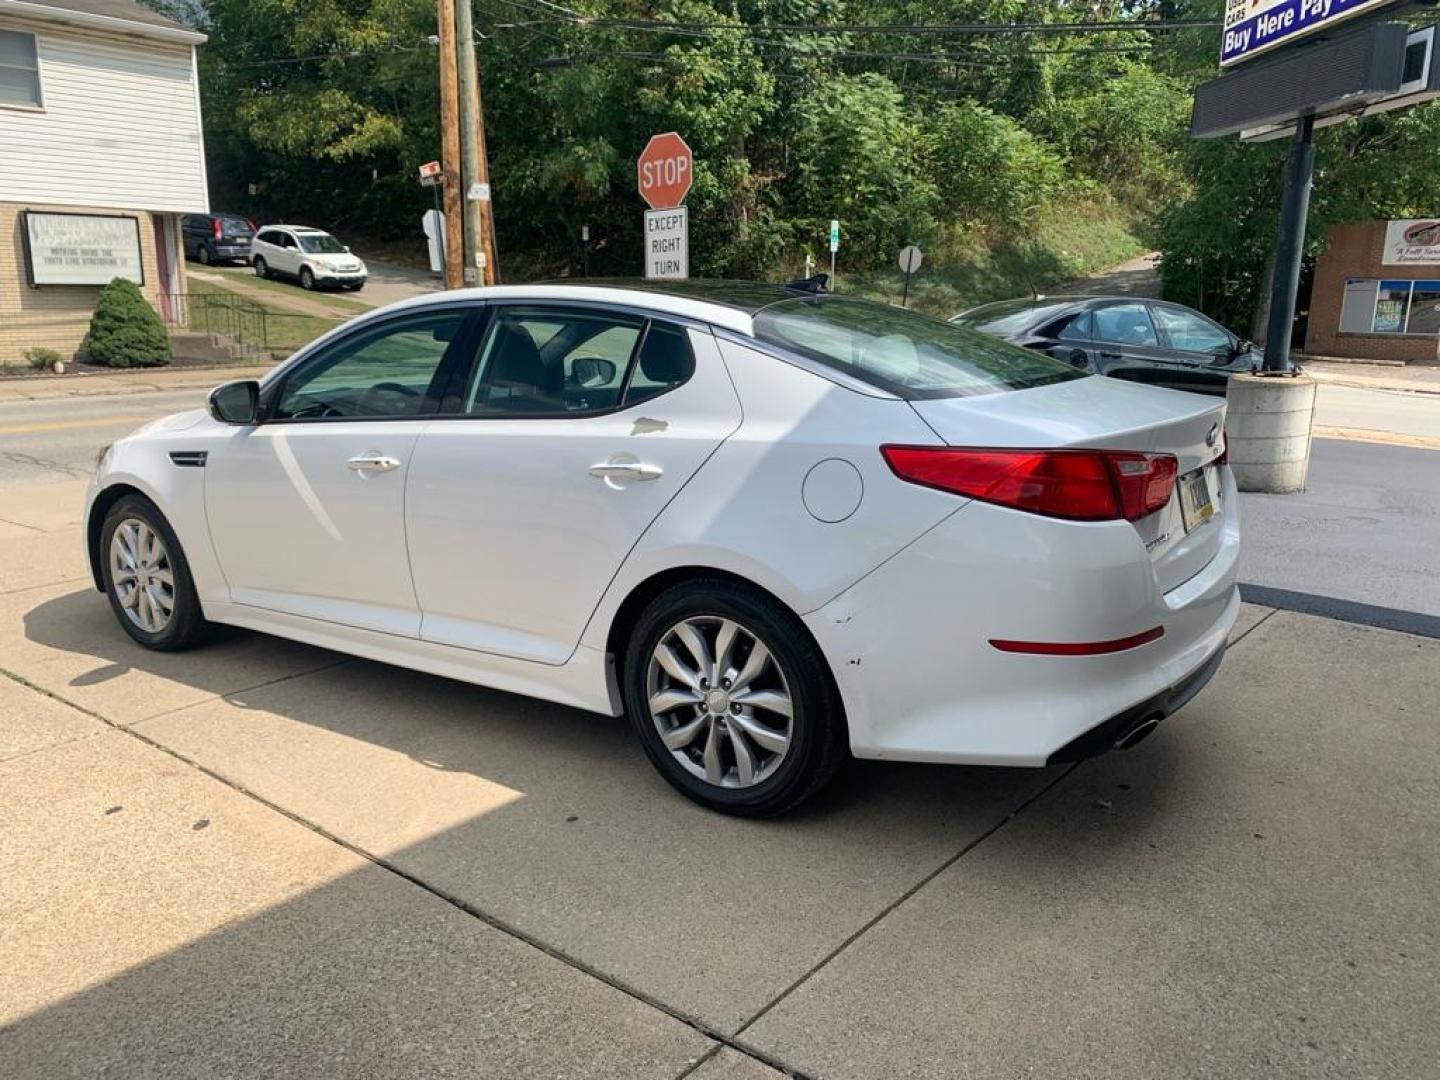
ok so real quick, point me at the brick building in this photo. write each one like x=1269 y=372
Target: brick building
x=1376 y=294
x=101 y=151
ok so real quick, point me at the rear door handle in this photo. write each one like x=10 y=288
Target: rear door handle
x=626 y=470
x=373 y=463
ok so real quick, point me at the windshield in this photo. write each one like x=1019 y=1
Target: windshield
x=321 y=242
x=1007 y=316
x=908 y=354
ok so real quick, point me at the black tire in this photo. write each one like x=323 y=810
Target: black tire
x=186 y=626
x=261 y=270
x=818 y=743
x=355 y=286
x=307 y=278
x=204 y=255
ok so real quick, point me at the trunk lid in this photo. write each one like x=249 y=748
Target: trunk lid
x=1108 y=414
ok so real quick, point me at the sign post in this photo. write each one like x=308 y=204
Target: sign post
x=834 y=247
x=432 y=177
x=664 y=173
x=909 y=263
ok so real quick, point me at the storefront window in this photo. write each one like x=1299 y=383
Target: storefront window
x=1392 y=304
x=1424 y=308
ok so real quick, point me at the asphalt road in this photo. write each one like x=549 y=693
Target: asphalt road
x=1395 y=411
x=1365 y=530
x=1367 y=527
x=59 y=437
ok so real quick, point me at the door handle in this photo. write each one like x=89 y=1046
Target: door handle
x=626 y=470
x=373 y=463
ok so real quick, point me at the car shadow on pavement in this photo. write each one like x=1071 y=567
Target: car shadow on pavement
x=548 y=821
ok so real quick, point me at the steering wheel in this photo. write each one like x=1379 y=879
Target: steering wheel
x=376 y=398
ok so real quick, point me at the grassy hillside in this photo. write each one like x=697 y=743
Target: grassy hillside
x=1061 y=246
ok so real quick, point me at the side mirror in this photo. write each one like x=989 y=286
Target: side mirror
x=236 y=402
x=593 y=371
x=347 y=250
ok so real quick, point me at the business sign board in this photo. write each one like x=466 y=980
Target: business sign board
x=1253 y=27
x=82 y=249
x=667 y=244
x=1412 y=242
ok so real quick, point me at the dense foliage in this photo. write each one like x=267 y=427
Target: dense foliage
x=124 y=329
x=798 y=111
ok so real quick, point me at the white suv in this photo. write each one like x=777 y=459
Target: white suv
x=311 y=256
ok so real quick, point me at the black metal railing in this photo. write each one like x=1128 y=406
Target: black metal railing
x=240 y=325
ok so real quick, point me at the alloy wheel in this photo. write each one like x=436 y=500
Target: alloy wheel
x=720 y=702
x=141 y=575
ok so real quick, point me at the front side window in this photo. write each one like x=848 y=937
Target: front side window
x=321 y=243
x=557 y=361
x=19 y=69
x=1125 y=324
x=374 y=373
x=908 y=354
x=1190 y=332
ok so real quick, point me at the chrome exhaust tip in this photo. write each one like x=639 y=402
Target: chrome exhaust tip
x=1139 y=731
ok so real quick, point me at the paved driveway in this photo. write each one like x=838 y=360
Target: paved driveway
x=263 y=859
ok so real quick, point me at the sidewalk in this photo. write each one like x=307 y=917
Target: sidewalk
x=133 y=381
x=1410 y=378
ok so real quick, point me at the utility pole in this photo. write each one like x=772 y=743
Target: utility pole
x=479 y=219
x=450 y=147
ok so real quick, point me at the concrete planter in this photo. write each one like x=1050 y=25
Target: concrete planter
x=1267 y=429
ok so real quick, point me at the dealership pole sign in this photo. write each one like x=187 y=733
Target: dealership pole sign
x=1256 y=26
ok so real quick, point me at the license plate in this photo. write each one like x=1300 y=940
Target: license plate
x=1196 y=506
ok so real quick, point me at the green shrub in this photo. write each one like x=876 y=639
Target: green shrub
x=125 y=331
x=42 y=359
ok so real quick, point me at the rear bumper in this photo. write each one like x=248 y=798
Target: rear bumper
x=1105 y=736
x=910 y=644
x=232 y=251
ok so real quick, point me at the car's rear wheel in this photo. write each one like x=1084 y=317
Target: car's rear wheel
x=147 y=578
x=204 y=255
x=307 y=278
x=261 y=270
x=732 y=699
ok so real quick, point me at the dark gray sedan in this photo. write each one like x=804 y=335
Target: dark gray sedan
x=1150 y=341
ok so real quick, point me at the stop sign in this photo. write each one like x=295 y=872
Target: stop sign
x=664 y=171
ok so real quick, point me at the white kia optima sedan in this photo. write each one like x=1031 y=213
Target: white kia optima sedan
x=772 y=526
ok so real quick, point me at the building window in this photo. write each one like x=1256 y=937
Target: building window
x=1391 y=307
x=19 y=70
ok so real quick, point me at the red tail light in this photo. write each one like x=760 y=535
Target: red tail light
x=215 y=228
x=1081 y=485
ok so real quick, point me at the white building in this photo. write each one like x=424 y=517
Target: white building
x=101 y=151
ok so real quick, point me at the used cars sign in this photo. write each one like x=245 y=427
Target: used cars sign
x=1256 y=26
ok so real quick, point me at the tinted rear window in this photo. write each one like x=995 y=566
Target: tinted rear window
x=1007 y=316
x=908 y=354
x=234 y=225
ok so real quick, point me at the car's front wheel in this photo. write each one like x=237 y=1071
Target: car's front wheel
x=261 y=270
x=147 y=578
x=307 y=278
x=732 y=699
